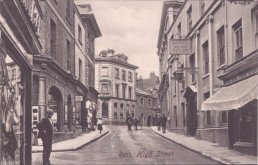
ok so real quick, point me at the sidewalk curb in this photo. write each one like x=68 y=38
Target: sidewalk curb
x=76 y=148
x=199 y=152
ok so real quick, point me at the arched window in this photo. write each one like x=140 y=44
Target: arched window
x=121 y=115
x=115 y=115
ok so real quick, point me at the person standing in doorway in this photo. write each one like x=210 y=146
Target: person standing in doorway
x=45 y=127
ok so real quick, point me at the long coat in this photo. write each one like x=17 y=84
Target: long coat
x=45 y=130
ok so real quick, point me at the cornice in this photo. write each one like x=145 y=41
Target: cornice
x=115 y=61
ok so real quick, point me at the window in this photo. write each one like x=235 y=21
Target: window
x=238 y=40
x=123 y=90
x=183 y=110
x=104 y=71
x=183 y=81
x=205 y=48
x=192 y=66
x=79 y=34
x=115 y=106
x=175 y=115
x=132 y=114
x=179 y=29
x=206 y=96
x=255 y=23
x=121 y=115
x=115 y=115
x=68 y=50
x=224 y=117
x=202 y=6
x=208 y=117
x=13 y=74
x=121 y=106
x=80 y=69
x=104 y=88
x=116 y=73
x=117 y=90
x=53 y=39
x=189 y=18
x=221 y=46
x=130 y=76
x=142 y=102
x=130 y=93
x=149 y=103
x=68 y=9
x=123 y=75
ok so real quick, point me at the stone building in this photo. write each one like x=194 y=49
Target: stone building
x=54 y=80
x=86 y=30
x=209 y=82
x=115 y=79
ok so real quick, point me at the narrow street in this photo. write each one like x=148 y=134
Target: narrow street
x=123 y=147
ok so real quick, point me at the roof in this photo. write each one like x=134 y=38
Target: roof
x=139 y=91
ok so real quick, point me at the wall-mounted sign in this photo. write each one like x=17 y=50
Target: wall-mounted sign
x=78 y=98
x=180 y=47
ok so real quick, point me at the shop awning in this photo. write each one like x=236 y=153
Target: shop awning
x=190 y=89
x=234 y=96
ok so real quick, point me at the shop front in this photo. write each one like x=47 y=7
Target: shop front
x=17 y=46
x=239 y=98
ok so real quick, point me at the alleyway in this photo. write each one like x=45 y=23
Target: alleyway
x=123 y=147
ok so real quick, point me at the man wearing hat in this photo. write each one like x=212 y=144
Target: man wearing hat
x=45 y=127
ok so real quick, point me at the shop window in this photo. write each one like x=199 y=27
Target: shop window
x=205 y=50
x=208 y=117
x=224 y=117
x=238 y=40
x=221 y=46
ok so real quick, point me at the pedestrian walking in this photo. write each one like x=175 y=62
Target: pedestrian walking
x=158 y=121
x=141 y=121
x=163 y=122
x=45 y=127
x=129 y=122
x=135 y=121
x=99 y=123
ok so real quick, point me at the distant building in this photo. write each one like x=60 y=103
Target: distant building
x=147 y=97
x=115 y=79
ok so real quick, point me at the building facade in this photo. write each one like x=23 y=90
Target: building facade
x=219 y=40
x=20 y=46
x=86 y=30
x=115 y=79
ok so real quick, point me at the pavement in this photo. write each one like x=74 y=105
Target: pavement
x=208 y=149
x=75 y=143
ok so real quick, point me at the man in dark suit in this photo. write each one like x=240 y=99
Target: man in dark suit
x=45 y=127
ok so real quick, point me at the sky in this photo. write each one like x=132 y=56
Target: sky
x=130 y=27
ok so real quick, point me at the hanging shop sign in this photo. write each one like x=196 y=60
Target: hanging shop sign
x=78 y=98
x=180 y=47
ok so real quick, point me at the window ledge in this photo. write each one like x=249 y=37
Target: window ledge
x=221 y=67
x=206 y=75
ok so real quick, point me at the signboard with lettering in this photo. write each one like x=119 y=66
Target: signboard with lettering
x=180 y=47
x=78 y=98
